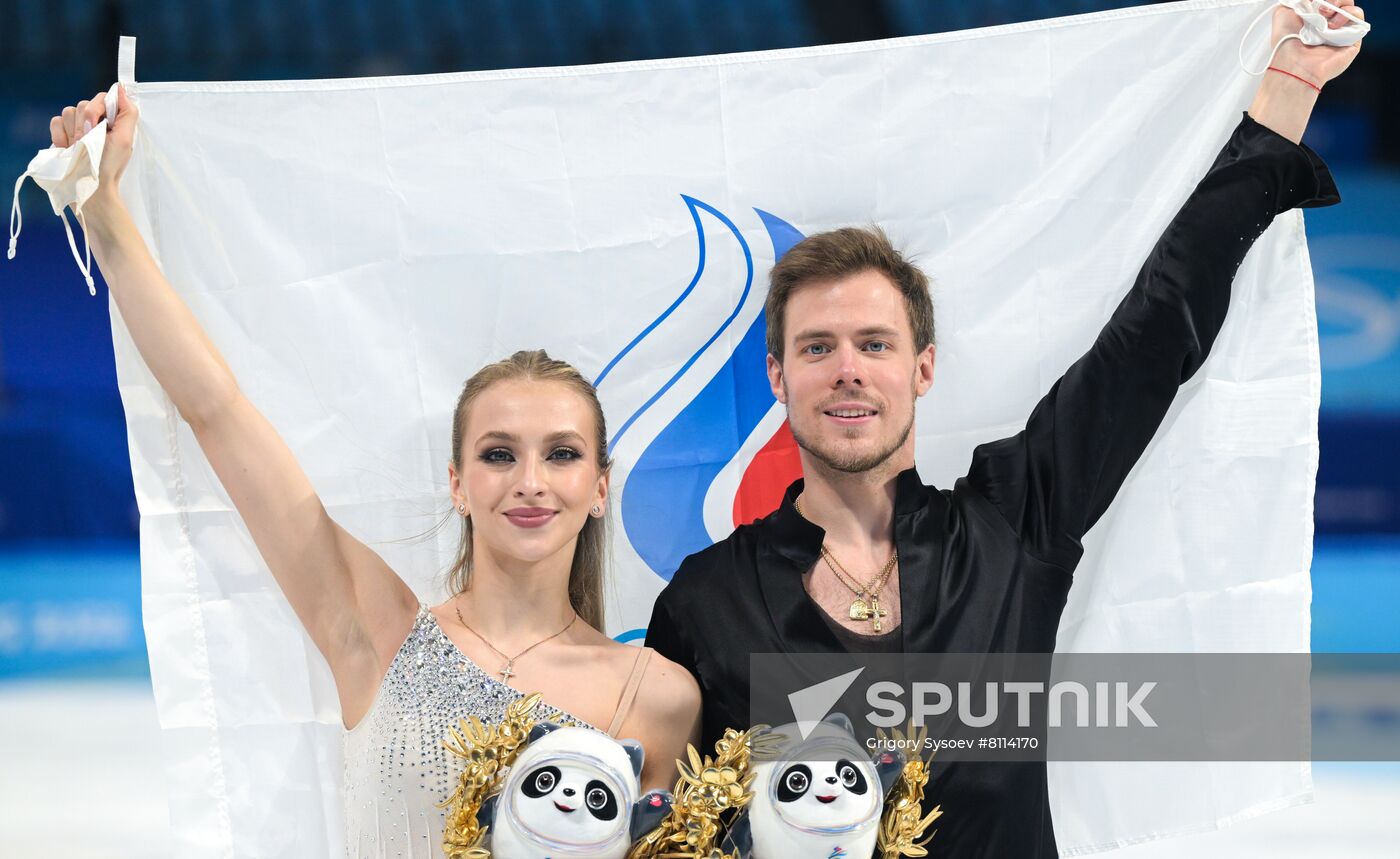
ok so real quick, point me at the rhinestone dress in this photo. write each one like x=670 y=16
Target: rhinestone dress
x=396 y=770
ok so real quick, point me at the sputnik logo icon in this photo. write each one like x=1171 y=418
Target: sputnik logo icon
x=812 y=704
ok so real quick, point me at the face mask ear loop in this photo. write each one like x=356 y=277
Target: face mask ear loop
x=16 y=219
x=85 y=268
x=1273 y=53
x=87 y=251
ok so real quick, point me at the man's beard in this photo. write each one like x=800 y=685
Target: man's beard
x=853 y=463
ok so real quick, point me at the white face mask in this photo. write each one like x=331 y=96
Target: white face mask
x=1315 y=30
x=70 y=178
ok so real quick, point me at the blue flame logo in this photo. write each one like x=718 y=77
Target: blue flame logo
x=663 y=501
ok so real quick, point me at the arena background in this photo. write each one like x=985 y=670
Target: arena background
x=79 y=772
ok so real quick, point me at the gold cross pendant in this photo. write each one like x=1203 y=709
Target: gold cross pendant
x=872 y=612
x=506 y=673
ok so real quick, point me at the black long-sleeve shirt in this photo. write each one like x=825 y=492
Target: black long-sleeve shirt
x=987 y=565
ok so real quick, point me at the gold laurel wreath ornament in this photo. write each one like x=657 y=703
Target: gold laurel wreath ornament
x=903 y=821
x=708 y=793
x=488 y=751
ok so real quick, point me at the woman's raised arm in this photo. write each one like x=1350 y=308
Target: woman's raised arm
x=355 y=608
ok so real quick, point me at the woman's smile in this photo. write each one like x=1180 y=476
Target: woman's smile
x=530 y=517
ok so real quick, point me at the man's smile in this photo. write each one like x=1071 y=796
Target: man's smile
x=847 y=414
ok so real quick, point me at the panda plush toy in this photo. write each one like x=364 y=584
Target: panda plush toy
x=818 y=798
x=572 y=793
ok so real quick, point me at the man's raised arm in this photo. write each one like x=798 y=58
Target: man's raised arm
x=1052 y=481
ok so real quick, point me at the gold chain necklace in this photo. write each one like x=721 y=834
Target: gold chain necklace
x=507 y=671
x=866 y=605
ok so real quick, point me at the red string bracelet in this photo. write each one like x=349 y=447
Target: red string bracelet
x=1291 y=75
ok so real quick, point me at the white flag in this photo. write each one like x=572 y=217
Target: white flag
x=357 y=248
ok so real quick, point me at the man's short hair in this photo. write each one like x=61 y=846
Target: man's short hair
x=824 y=257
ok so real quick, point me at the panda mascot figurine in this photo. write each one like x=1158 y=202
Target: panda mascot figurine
x=572 y=793
x=818 y=798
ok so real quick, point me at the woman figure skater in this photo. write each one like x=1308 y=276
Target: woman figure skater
x=529 y=480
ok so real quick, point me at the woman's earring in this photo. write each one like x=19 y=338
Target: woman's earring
x=597 y=511
x=462 y=508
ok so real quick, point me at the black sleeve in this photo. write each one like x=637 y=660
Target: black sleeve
x=666 y=638
x=1052 y=481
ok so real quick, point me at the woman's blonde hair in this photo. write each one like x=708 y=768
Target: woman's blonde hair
x=587 y=573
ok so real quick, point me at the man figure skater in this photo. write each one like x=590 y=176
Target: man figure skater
x=861 y=556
